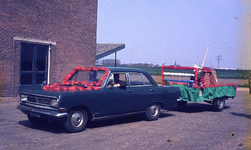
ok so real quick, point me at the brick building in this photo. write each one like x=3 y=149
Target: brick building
x=43 y=40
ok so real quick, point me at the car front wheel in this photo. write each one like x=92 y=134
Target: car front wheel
x=76 y=121
x=153 y=112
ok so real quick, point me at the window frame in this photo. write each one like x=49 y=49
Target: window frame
x=143 y=76
x=34 y=72
x=116 y=72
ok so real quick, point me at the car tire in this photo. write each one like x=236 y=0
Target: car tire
x=37 y=121
x=152 y=112
x=76 y=121
x=181 y=103
x=219 y=104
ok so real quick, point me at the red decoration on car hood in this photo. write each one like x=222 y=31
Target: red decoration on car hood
x=73 y=86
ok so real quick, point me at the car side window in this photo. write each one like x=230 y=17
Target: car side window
x=117 y=79
x=139 y=79
x=147 y=81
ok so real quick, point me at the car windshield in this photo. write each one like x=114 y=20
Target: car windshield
x=88 y=76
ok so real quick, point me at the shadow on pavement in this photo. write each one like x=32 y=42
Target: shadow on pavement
x=165 y=114
x=57 y=127
x=122 y=120
x=115 y=121
x=195 y=108
x=50 y=126
x=241 y=115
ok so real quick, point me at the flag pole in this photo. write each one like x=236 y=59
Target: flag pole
x=204 y=58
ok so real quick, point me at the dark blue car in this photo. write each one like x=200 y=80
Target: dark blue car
x=95 y=93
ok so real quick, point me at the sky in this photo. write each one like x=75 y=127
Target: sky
x=169 y=31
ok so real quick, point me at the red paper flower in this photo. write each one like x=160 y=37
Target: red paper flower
x=64 y=86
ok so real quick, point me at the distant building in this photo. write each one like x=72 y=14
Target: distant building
x=175 y=64
x=45 y=40
x=110 y=62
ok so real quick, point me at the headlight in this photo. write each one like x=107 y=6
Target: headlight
x=54 y=102
x=22 y=97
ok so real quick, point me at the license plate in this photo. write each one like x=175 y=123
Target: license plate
x=35 y=115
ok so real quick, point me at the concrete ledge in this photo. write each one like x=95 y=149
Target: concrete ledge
x=34 y=40
x=242 y=89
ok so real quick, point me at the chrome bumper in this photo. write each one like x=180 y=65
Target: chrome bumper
x=50 y=114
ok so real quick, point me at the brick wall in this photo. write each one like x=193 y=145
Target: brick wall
x=71 y=24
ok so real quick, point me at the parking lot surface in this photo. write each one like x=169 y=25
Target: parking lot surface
x=196 y=127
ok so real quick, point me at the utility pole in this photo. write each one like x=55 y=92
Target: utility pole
x=219 y=59
x=115 y=62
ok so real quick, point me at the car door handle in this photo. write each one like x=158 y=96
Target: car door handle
x=128 y=91
x=151 y=90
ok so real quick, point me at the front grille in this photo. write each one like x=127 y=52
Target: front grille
x=38 y=100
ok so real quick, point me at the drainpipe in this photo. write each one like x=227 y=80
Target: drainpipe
x=49 y=65
x=115 y=65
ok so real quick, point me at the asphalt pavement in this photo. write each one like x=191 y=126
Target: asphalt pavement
x=197 y=127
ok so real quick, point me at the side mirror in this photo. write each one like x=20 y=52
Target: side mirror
x=43 y=84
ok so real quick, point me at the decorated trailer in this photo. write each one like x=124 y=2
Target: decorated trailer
x=198 y=85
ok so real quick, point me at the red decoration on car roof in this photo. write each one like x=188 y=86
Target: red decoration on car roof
x=65 y=85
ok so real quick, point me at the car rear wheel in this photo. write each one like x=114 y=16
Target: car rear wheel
x=76 y=121
x=153 y=112
x=219 y=104
x=37 y=121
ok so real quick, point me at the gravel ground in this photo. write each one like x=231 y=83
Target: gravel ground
x=197 y=127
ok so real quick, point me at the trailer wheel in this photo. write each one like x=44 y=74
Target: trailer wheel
x=219 y=104
x=181 y=103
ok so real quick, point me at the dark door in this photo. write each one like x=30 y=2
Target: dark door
x=34 y=64
x=142 y=91
x=114 y=99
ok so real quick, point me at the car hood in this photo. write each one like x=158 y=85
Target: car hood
x=41 y=92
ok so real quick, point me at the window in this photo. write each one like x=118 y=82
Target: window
x=139 y=79
x=90 y=76
x=117 y=78
x=33 y=64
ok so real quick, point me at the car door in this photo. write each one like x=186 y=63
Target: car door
x=114 y=99
x=133 y=98
x=141 y=92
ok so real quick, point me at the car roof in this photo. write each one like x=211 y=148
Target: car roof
x=127 y=69
x=124 y=69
